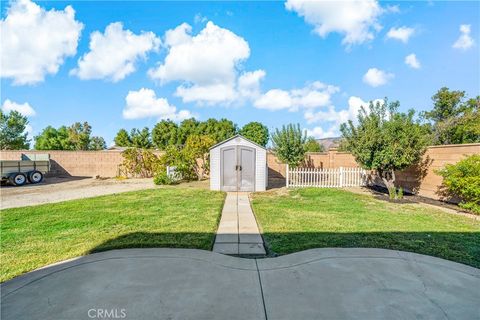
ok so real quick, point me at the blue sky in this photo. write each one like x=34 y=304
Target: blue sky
x=274 y=62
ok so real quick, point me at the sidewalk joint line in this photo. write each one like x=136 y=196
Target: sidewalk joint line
x=261 y=290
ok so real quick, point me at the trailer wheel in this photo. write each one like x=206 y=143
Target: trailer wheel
x=18 y=179
x=35 y=176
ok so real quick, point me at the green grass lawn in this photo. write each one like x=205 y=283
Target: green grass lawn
x=301 y=219
x=32 y=237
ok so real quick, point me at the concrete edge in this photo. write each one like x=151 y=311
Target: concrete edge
x=265 y=264
x=217 y=259
x=315 y=255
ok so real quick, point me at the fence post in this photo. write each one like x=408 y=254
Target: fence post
x=341 y=177
x=287 y=174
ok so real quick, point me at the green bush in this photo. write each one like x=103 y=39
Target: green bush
x=463 y=180
x=162 y=178
x=139 y=162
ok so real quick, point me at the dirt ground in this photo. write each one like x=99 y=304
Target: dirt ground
x=61 y=189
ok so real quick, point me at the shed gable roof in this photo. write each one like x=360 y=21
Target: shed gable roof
x=237 y=136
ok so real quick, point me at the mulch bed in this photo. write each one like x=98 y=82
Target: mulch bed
x=381 y=193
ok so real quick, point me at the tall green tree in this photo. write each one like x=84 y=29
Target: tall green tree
x=53 y=139
x=141 y=138
x=454 y=119
x=256 y=132
x=12 y=131
x=165 y=133
x=312 y=145
x=219 y=130
x=386 y=140
x=289 y=144
x=79 y=135
x=197 y=151
x=122 y=139
x=97 y=143
x=187 y=128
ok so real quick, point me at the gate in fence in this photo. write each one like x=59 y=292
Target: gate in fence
x=326 y=178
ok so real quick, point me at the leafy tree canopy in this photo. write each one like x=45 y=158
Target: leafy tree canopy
x=79 y=135
x=53 y=139
x=454 y=119
x=256 y=132
x=12 y=131
x=385 y=140
x=312 y=145
x=75 y=137
x=122 y=139
x=219 y=130
x=187 y=128
x=97 y=143
x=141 y=138
x=289 y=144
x=165 y=133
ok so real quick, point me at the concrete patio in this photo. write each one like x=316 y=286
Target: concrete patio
x=196 y=284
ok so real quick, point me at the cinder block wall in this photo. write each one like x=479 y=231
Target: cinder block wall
x=76 y=163
x=420 y=179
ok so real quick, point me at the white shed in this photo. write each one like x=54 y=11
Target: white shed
x=238 y=164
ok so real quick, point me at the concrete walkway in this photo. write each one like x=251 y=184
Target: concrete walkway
x=195 y=284
x=238 y=232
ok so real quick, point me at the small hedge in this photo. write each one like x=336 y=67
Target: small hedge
x=463 y=180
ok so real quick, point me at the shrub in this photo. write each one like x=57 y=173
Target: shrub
x=162 y=178
x=289 y=144
x=463 y=180
x=174 y=156
x=140 y=163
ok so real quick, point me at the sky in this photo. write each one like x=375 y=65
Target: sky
x=131 y=64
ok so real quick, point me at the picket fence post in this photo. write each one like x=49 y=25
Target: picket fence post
x=288 y=173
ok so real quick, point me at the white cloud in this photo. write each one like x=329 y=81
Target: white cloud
x=113 y=54
x=314 y=95
x=204 y=62
x=412 y=61
x=144 y=104
x=274 y=99
x=356 y=19
x=249 y=83
x=319 y=133
x=403 y=33
x=465 y=41
x=24 y=108
x=35 y=42
x=336 y=118
x=376 y=77
x=29 y=131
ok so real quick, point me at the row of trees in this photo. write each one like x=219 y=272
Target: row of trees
x=454 y=119
x=167 y=133
x=75 y=137
x=14 y=136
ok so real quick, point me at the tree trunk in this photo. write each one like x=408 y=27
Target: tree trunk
x=388 y=178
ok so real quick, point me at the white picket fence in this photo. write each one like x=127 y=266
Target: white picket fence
x=326 y=178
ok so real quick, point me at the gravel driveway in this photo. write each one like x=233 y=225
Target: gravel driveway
x=61 y=189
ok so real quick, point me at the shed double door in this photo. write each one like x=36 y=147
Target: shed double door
x=238 y=168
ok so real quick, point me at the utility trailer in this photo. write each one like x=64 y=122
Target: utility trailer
x=31 y=168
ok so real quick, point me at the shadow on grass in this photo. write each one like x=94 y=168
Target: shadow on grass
x=462 y=247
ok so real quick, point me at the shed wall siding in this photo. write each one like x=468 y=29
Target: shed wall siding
x=215 y=169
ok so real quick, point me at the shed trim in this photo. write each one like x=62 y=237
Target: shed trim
x=236 y=136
